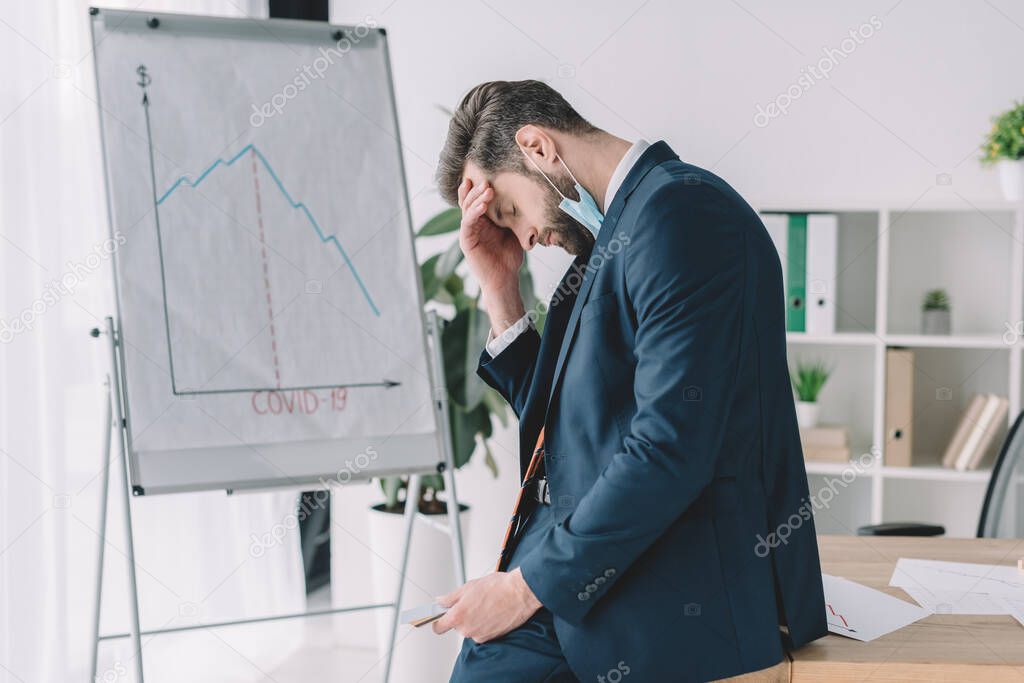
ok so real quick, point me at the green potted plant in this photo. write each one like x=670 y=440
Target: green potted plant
x=935 y=312
x=471 y=403
x=808 y=379
x=1004 y=148
x=472 y=408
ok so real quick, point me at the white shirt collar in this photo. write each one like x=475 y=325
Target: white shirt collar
x=622 y=170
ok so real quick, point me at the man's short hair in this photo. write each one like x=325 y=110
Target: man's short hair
x=483 y=128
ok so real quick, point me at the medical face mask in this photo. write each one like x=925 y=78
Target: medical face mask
x=584 y=210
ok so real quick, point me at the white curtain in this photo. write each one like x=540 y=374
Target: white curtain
x=193 y=550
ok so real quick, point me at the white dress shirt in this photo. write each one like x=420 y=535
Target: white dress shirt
x=626 y=165
x=496 y=345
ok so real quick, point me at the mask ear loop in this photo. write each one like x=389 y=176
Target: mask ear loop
x=576 y=182
x=530 y=159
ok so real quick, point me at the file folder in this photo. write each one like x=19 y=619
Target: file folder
x=822 y=247
x=777 y=225
x=796 y=273
x=899 y=407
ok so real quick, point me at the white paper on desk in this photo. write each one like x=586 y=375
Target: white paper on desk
x=1014 y=607
x=959 y=577
x=956 y=602
x=863 y=613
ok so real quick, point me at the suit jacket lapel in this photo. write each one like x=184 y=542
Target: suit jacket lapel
x=652 y=156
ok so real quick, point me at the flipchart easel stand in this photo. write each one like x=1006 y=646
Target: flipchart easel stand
x=116 y=426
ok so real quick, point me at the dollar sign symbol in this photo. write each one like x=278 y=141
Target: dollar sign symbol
x=144 y=78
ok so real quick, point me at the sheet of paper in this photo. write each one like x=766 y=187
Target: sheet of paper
x=424 y=614
x=1014 y=607
x=856 y=611
x=955 y=602
x=959 y=577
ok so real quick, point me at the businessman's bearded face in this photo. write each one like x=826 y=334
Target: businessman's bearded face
x=561 y=229
x=526 y=205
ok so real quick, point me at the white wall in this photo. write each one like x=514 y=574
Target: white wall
x=911 y=101
x=908 y=103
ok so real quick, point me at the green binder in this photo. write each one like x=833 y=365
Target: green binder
x=796 y=273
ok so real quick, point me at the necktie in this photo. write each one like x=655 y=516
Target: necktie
x=519 y=512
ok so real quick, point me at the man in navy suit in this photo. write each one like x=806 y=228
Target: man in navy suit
x=669 y=533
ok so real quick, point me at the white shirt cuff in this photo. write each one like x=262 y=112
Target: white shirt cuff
x=496 y=345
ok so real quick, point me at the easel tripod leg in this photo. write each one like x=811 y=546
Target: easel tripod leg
x=412 y=498
x=441 y=406
x=454 y=527
x=104 y=491
x=126 y=495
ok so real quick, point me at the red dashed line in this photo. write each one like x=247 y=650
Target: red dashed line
x=266 y=270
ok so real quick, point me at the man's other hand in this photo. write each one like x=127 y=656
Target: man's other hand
x=489 y=607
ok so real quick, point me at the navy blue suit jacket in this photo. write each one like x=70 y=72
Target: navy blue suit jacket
x=684 y=535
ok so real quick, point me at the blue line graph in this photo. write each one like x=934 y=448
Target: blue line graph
x=184 y=180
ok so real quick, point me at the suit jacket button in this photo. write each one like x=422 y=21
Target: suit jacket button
x=609 y=573
x=583 y=596
x=591 y=588
x=599 y=580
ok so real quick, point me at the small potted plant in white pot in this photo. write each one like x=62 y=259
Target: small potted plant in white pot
x=935 y=312
x=808 y=379
x=1004 y=149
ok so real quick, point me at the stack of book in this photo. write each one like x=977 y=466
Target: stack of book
x=974 y=436
x=826 y=443
x=807 y=246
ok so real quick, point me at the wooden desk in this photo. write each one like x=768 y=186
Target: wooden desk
x=942 y=647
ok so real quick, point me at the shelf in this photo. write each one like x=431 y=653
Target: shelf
x=919 y=472
x=936 y=473
x=837 y=339
x=836 y=468
x=936 y=341
x=941 y=341
x=895 y=206
x=892 y=251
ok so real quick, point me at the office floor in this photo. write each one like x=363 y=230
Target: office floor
x=321 y=657
x=239 y=654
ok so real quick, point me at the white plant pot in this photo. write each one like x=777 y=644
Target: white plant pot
x=807 y=414
x=935 y=322
x=420 y=655
x=1011 y=178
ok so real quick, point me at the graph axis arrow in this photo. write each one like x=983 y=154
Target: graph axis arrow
x=385 y=384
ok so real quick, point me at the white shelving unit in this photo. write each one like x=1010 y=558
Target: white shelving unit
x=889 y=256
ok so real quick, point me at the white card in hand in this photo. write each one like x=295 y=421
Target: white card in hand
x=424 y=614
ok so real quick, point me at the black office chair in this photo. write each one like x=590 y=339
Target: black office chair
x=1001 y=517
